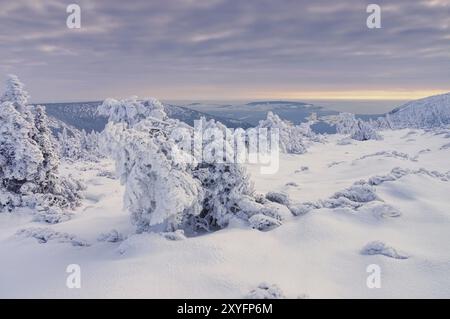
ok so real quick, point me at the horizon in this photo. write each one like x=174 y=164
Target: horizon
x=371 y=107
x=263 y=99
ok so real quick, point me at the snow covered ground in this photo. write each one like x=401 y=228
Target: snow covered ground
x=321 y=254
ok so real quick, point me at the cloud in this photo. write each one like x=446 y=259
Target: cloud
x=163 y=47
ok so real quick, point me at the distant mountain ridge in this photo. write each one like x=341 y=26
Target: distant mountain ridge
x=429 y=112
x=83 y=115
x=280 y=102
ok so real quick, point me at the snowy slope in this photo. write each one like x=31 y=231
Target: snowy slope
x=433 y=111
x=323 y=253
x=57 y=126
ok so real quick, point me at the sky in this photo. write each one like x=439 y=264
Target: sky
x=227 y=49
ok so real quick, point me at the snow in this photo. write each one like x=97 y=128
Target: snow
x=380 y=248
x=429 y=112
x=400 y=223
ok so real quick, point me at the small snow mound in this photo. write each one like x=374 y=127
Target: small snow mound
x=250 y=206
x=279 y=198
x=335 y=163
x=345 y=141
x=292 y=184
x=302 y=209
x=392 y=154
x=107 y=174
x=111 y=237
x=52 y=215
x=276 y=210
x=176 y=235
x=45 y=235
x=263 y=223
x=380 y=248
x=380 y=211
x=409 y=134
x=359 y=193
x=266 y=291
x=302 y=169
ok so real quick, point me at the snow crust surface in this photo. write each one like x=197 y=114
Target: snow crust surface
x=391 y=208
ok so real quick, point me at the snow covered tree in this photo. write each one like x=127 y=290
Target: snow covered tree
x=364 y=132
x=42 y=137
x=167 y=185
x=224 y=180
x=348 y=124
x=131 y=110
x=427 y=113
x=160 y=192
x=78 y=145
x=69 y=145
x=20 y=156
x=28 y=161
x=15 y=93
x=293 y=138
x=90 y=144
x=224 y=186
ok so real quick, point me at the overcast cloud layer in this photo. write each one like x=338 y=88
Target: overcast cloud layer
x=216 y=49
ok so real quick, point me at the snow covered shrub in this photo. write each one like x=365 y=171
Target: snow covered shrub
x=357 y=129
x=111 y=237
x=344 y=141
x=69 y=146
x=364 y=132
x=303 y=208
x=28 y=160
x=380 y=248
x=280 y=198
x=46 y=235
x=266 y=291
x=175 y=235
x=291 y=184
x=276 y=210
x=360 y=193
x=52 y=215
x=381 y=123
x=291 y=136
x=346 y=123
x=79 y=145
x=263 y=222
x=250 y=205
